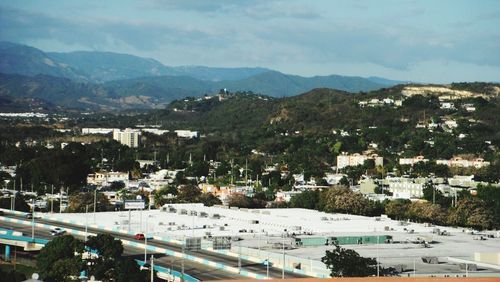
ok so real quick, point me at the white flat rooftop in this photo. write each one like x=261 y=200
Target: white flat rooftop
x=272 y=224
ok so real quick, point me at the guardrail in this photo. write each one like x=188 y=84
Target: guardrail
x=170 y=273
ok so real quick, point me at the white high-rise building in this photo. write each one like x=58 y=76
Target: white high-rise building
x=129 y=137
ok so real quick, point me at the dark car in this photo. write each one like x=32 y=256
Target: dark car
x=29 y=216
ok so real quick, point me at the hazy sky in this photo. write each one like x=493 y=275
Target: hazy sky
x=426 y=41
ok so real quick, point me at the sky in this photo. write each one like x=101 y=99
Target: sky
x=424 y=41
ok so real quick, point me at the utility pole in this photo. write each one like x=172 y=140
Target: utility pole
x=60 y=200
x=182 y=262
x=433 y=195
x=232 y=160
x=378 y=257
x=455 y=204
x=52 y=200
x=86 y=221
x=129 y=218
x=246 y=172
x=146 y=243
x=95 y=202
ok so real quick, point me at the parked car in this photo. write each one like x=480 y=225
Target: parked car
x=139 y=236
x=29 y=216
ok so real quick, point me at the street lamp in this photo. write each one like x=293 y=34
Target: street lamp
x=239 y=257
x=139 y=197
x=33 y=219
x=414 y=267
x=267 y=266
x=95 y=201
x=146 y=241
x=86 y=220
x=283 y=270
x=152 y=268
x=172 y=266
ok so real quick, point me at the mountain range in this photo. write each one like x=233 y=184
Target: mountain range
x=105 y=80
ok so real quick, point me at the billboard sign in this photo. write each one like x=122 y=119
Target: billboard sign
x=134 y=204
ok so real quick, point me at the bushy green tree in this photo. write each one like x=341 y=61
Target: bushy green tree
x=209 y=199
x=60 y=259
x=348 y=263
x=473 y=212
x=188 y=193
x=343 y=200
x=397 y=209
x=109 y=252
x=308 y=199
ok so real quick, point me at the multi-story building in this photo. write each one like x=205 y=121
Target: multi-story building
x=100 y=178
x=406 y=189
x=412 y=161
x=460 y=162
x=345 y=160
x=129 y=137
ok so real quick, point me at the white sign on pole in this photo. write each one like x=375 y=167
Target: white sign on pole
x=134 y=205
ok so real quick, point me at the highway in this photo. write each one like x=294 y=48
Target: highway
x=194 y=269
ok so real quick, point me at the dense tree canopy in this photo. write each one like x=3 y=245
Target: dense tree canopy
x=60 y=259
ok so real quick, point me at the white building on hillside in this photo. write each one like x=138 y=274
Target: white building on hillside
x=102 y=131
x=460 y=162
x=186 y=134
x=357 y=159
x=155 y=131
x=103 y=178
x=412 y=161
